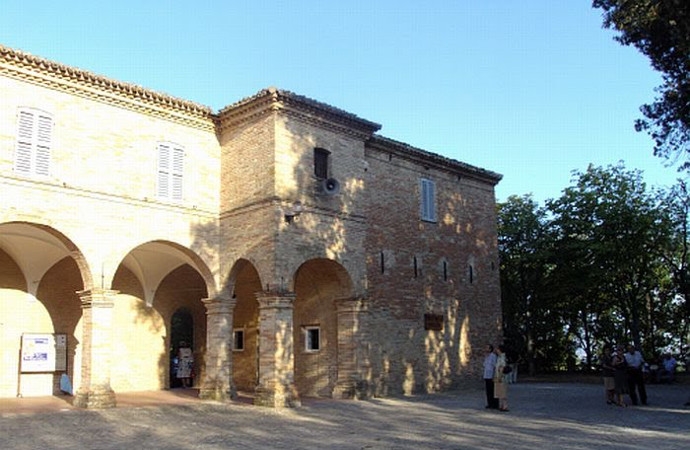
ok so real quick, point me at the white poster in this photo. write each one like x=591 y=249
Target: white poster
x=43 y=352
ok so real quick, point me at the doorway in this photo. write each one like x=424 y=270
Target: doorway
x=181 y=330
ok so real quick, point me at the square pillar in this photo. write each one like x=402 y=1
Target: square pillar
x=351 y=382
x=276 y=352
x=97 y=335
x=217 y=383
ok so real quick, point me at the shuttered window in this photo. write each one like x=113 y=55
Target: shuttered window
x=170 y=171
x=34 y=142
x=428 y=200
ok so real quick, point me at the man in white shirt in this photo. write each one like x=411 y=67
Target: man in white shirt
x=489 y=368
x=635 y=362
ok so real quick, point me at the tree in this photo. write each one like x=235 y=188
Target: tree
x=530 y=325
x=660 y=29
x=677 y=258
x=624 y=233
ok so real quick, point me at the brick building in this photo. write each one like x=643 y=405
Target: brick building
x=301 y=253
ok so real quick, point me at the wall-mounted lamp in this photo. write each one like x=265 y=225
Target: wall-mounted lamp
x=292 y=212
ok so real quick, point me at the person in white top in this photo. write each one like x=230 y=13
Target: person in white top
x=635 y=362
x=489 y=368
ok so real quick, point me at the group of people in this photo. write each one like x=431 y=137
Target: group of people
x=496 y=378
x=623 y=375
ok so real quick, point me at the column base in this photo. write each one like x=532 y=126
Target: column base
x=271 y=398
x=95 y=399
x=354 y=389
x=218 y=393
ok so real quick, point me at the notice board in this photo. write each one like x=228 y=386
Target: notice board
x=43 y=352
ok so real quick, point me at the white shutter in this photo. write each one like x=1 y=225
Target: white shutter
x=25 y=133
x=163 y=171
x=170 y=170
x=43 y=141
x=176 y=172
x=34 y=141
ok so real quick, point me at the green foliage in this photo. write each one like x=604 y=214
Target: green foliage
x=660 y=29
x=605 y=262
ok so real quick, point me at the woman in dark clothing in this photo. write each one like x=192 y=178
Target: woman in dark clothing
x=620 y=375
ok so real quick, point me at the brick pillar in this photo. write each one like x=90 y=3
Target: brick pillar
x=351 y=382
x=276 y=352
x=97 y=336
x=217 y=383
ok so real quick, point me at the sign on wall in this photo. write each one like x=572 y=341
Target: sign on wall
x=43 y=352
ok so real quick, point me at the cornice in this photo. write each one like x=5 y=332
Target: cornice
x=428 y=159
x=32 y=69
x=298 y=107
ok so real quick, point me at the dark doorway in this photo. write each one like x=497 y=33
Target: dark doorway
x=181 y=330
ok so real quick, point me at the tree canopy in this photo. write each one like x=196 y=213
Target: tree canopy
x=660 y=29
x=606 y=262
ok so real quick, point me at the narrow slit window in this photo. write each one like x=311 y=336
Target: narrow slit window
x=471 y=274
x=428 y=200
x=238 y=340
x=383 y=263
x=416 y=269
x=445 y=271
x=321 y=157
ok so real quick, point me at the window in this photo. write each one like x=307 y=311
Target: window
x=34 y=142
x=321 y=157
x=433 y=322
x=238 y=340
x=170 y=169
x=312 y=341
x=428 y=200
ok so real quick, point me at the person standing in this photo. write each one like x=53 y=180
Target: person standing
x=185 y=364
x=620 y=375
x=635 y=363
x=608 y=372
x=489 y=369
x=500 y=384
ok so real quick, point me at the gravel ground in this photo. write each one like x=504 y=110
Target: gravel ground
x=547 y=415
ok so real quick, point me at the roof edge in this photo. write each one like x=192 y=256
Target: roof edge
x=425 y=157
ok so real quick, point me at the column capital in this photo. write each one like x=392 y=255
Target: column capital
x=219 y=305
x=274 y=300
x=97 y=297
x=353 y=304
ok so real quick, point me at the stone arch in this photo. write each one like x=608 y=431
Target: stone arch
x=319 y=284
x=41 y=271
x=244 y=282
x=150 y=262
x=153 y=281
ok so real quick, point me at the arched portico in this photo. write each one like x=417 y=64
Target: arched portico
x=326 y=321
x=154 y=281
x=41 y=271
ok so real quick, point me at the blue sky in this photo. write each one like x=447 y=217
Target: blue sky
x=532 y=89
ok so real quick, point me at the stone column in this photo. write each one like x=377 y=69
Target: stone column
x=276 y=352
x=97 y=335
x=217 y=383
x=351 y=382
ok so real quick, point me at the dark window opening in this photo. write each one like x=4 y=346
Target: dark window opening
x=321 y=157
x=238 y=341
x=312 y=339
x=416 y=272
x=433 y=322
